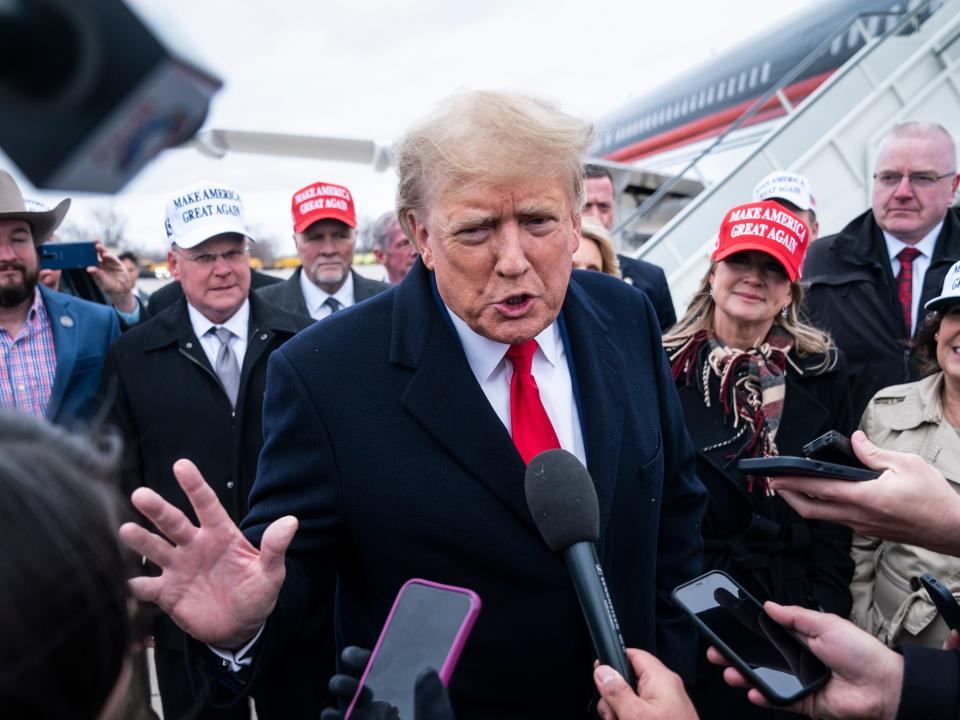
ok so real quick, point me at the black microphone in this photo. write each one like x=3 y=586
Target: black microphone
x=563 y=502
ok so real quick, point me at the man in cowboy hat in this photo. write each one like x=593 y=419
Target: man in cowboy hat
x=52 y=345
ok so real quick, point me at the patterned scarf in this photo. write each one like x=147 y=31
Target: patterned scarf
x=751 y=387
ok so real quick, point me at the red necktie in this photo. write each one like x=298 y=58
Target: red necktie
x=905 y=286
x=531 y=428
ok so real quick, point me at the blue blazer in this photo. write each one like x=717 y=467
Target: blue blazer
x=380 y=440
x=82 y=332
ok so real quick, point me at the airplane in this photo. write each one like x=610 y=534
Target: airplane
x=683 y=111
x=688 y=110
x=654 y=136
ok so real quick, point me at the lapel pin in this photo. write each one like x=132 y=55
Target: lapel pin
x=189 y=346
x=66 y=321
x=263 y=337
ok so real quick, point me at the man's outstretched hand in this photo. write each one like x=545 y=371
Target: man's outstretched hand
x=215 y=585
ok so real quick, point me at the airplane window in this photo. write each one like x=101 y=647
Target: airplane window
x=743 y=82
x=683 y=107
x=765 y=72
x=732 y=86
x=721 y=91
x=710 y=95
x=853 y=37
x=693 y=102
x=702 y=99
x=754 y=72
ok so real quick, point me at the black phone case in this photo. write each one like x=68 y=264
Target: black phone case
x=832 y=446
x=733 y=658
x=790 y=465
x=946 y=603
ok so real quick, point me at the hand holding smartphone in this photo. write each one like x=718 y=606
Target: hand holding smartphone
x=772 y=658
x=427 y=627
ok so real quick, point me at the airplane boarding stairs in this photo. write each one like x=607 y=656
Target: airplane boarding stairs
x=831 y=138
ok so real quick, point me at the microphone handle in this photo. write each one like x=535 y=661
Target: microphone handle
x=591 y=588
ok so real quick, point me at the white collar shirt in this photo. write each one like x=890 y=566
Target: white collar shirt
x=550 y=369
x=315 y=297
x=238 y=324
x=920 y=265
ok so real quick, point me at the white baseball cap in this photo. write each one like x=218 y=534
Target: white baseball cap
x=951 y=290
x=786 y=186
x=202 y=210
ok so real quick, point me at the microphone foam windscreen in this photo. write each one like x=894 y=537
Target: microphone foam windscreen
x=562 y=499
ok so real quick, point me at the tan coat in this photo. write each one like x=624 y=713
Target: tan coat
x=907 y=418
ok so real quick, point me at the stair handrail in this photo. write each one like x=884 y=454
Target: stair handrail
x=906 y=17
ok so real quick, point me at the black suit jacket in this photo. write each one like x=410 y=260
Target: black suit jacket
x=380 y=440
x=851 y=293
x=651 y=279
x=170 y=293
x=289 y=296
x=168 y=403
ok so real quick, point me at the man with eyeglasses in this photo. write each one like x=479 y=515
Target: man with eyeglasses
x=867 y=284
x=189 y=382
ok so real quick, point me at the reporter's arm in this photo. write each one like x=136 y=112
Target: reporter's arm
x=911 y=502
x=931 y=684
x=866 y=675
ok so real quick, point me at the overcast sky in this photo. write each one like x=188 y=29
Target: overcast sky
x=368 y=68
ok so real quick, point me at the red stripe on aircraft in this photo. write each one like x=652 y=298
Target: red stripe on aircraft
x=713 y=125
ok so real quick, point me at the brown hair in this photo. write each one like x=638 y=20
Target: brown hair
x=923 y=347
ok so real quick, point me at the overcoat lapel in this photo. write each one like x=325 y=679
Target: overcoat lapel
x=599 y=370
x=444 y=397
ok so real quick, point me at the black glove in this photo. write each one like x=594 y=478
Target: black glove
x=431 y=701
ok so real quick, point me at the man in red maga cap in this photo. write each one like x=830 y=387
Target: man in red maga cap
x=324 y=230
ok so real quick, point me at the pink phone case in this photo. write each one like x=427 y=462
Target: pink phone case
x=450 y=662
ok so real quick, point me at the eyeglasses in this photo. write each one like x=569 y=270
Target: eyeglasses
x=916 y=179
x=232 y=257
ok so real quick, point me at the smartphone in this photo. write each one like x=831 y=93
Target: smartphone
x=941 y=596
x=427 y=627
x=771 y=657
x=67 y=255
x=789 y=465
x=832 y=447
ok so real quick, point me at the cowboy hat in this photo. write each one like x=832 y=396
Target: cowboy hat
x=12 y=207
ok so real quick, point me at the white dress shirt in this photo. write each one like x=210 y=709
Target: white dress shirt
x=238 y=324
x=315 y=297
x=549 y=368
x=920 y=265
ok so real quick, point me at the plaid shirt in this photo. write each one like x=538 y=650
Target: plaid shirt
x=28 y=363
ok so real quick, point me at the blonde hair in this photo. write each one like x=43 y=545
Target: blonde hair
x=491 y=135
x=593 y=230
x=807 y=339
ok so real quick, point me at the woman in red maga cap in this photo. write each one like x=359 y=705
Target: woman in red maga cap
x=754 y=381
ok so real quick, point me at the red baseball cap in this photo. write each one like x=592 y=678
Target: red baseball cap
x=767 y=227
x=322 y=201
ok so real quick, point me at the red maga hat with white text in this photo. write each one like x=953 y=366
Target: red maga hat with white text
x=322 y=201
x=766 y=227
